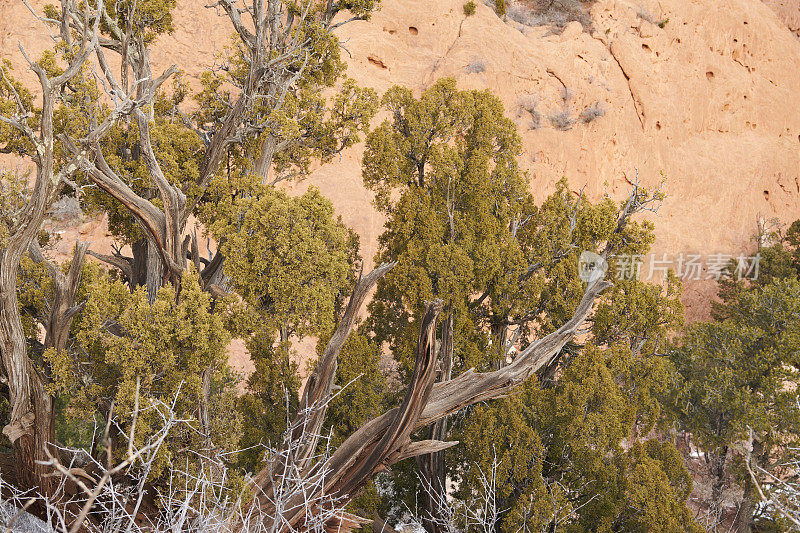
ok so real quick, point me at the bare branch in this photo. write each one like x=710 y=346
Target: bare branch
x=748 y=448
x=319 y=383
x=423 y=447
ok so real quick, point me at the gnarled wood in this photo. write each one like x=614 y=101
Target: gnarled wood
x=471 y=387
x=65 y=287
x=30 y=427
x=318 y=387
x=57 y=323
x=386 y=439
x=431 y=466
x=394 y=442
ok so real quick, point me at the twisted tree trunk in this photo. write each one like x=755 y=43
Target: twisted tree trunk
x=385 y=440
x=65 y=288
x=432 y=466
x=32 y=446
x=30 y=427
x=22 y=381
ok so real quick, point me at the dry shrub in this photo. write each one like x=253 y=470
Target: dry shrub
x=527 y=104
x=592 y=112
x=66 y=209
x=476 y=66
x=553 y=13
x=562 y=120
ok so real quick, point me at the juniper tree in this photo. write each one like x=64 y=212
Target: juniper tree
x=750 y=295
x=148 y=163
x=558 y=442
x=561 y=462
x=140 y=158
x=292 y=262
x=451 y=156
x=171 y=351
x=549 y=471
x=28 y=129
x=259 y=113
x=464 y=229
x=733 y=375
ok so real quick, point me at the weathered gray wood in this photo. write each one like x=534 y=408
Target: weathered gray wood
x=31 y=406
x=386 y=439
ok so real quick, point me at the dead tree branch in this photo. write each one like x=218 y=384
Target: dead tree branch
x=387 y=439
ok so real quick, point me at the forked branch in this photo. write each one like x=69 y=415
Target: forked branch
x=387 y=439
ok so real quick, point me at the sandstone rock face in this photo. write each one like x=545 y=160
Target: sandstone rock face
x=788 y=11
x=708 y=98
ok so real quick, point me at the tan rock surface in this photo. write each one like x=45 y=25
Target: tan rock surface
x=788 y=11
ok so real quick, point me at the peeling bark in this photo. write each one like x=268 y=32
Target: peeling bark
x=384 y=440
x=432 y=466
x=319 y=385
x=30 y=427
x=65 y=287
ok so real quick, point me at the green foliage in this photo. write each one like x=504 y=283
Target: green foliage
x=169 y=347
x=500 y=7
x=733 y=371
x=445 y=174
x=737 y=373
x=289 y=258
x=12 y=93
x=13 y=197
x=292 y=261
x=362 y=397
x=657 y=487
x=306 y=127
x=312 y=129
x=559 y=461
x=498 y=435
x=363 y=386
x=463 y=228
x=361 y=8
x=270 y=400
x=638 y=314
x=583 y=407
x=415 y=146
x=302 y=126
x=469 y=8
x=147 y=18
